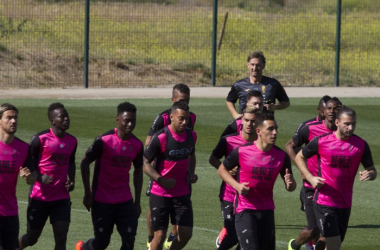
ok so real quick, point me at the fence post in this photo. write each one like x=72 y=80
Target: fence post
x=214 y=47
x=337 y=42
x=86 y=43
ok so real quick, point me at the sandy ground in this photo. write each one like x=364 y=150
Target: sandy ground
x=210 y=92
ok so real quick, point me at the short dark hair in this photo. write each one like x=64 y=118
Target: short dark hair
x=126 y=107
x=182 y=88
x=337 y=100
x=254 y=93
x=324 y=100
x=345 y=111
x=54 y=106
x=179 y=105
x=257 y=54
x=264 y=117
x=6 y=107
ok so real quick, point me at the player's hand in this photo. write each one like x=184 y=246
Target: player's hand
x=289 y=180
x=138 y=209
x=316 y=182
x=47 y=179
x=193 y=178
x=233 y=171
x=25 y=172
x=87 y=202
x=243 y=188
x=365 y=175
x=69 y=185
x=168 y=183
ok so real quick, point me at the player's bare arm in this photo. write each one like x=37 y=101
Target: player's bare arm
x=152 y=173
x=289 y=148
x=290 y=182
x=369 y=174
x=29 y=177
x=278 y=106
x=70 y=183
x=242 y=188
x=192 y=164
x=147 y=140
x=300 y=162
x=138 y=183
x=232 y=109
x=85 y=170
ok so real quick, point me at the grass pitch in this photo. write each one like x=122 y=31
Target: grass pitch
x=89 y=118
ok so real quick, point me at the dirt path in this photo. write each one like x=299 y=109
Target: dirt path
x=210 y=92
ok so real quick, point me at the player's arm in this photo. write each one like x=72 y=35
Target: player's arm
x=192 y=164
x=287 y=175
x=296 y=142
x=70 y=184
x=300 y=161
x=158 y=124
x=232 y=109
x=138 y=179
x=228 y=164
x=27 y=171
x=370 y=173
x=218 y=153
x=89 y=157
x=147 y=140
x=35 y=146
x=283 y=100
x=151 y=152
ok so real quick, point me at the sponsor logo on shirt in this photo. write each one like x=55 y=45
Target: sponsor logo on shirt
x=180 y=152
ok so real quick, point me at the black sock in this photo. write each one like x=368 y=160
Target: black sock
x=294 y=245
x=171 y=237
x=150 y=238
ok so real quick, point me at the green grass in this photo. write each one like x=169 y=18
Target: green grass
x=89 y=118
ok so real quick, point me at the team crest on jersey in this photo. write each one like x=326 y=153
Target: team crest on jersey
x=61 y=145
x=123 y=148
x=263 y=89
x=5 y=152
x=247 y=90
x=14 y=151
x=351 y=147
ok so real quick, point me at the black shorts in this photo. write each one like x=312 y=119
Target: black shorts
x=309 y=208
x=9 y=229
x=179 y=209
x=332 y=221
x=255 y=229
x=39 y=211
x=105 y=216
x=228 y=215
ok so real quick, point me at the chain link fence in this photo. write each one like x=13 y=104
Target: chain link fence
x=149 y=43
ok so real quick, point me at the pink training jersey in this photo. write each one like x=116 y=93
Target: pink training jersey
x=171 y=153
x=113 y=162
x=233 y=127
x=260 y=169
x=304 y=137
x=339 y=163
x=224 y=148
x=52 y=156
x=303 y=124
x=12 y=157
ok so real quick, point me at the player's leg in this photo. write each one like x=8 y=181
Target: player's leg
x=60 y=230
x=60 y=215
x=37 y=215
x=329 y=226
x=246 y=225
x=266 y=229
x=148 y=220
x=160 y=208
x=230 y=239
x=103 y=223
x=9 y=232
x=126 y=223
x=311 y=232
x=184 y=219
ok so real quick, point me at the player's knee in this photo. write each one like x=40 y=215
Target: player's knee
x=185 y=236
x=314 y=233
x=160 y=236
x=101 y=244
